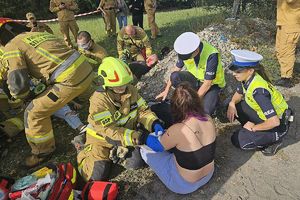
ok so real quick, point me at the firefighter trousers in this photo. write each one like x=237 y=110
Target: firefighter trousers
x=37 y=121
x=65 y=27
x=110 y=22
x=152 y=24
x=286 y=43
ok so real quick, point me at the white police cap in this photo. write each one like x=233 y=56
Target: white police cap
x=244 y=59
x=186 y=44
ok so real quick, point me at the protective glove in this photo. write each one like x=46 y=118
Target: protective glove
x=154 y=143
x=158 y=129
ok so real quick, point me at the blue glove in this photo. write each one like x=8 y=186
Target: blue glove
x=157 y=127
x=154 y=143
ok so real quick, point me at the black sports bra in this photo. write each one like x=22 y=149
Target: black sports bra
x=197 y=159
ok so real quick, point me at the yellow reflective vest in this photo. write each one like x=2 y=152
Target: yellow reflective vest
x=277 y=99
x=199 y=71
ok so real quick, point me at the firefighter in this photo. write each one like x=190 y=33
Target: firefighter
x=108 y=8
x=11 y=111
x=65 y=10
x=114 y=114
x=204 y=69
x=37 y=26
x=287 y=37
x=150 y=7
x=63 y=70
x=94 y=52
x=133 y=44
x=257 y=105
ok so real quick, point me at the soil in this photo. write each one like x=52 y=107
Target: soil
x=238 y=174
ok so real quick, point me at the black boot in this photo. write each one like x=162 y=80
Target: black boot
x=272 y=149
x=284 y=82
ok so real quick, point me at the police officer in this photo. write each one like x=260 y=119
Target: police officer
x=88 y=47
x=150 y=7
x=204 y=69
x=65 y=10
x=114 y=114
x=64 y=71
x=257 y=105
x=287 y=37
x=133 y=44
x=109 y=13
x=37 y=26
x=136 y=7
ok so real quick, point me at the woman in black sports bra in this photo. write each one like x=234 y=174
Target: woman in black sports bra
x=188 y=160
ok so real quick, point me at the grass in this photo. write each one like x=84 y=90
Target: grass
x=171 y=24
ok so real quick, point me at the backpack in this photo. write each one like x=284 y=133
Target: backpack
x=99 y=190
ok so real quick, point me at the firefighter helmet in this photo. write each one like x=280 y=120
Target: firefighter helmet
x=114 y=72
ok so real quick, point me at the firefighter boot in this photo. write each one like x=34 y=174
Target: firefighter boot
x=35 y=160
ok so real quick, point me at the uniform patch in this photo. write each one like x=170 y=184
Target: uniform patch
x=117 y=115
x=52 y=96
x=36 y=40
x=106 y=121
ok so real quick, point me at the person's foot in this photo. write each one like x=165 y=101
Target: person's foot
x=284 y=82
x=272 y=149
x=35 y=160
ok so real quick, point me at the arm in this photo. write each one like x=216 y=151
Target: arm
x=48 y=29
x=145 y=115
x=164 y=94
x=231 y=111
x=53 y=7
x=169 y=139
x=146 y=43
x=120 y=44
x=204 y=87
x=73 y=6
x=17 y=77
x=103 y=123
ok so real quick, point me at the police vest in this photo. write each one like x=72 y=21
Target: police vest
x=277 y=99
x=199 y=71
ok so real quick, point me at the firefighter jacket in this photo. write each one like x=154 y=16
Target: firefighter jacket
x=113 y=123
x=108 y=4
x=94 y=55
x=40 y=27
x=150 y=5
x=133 y=44
x=42 y=56
x=288 y=15
x=66 y=14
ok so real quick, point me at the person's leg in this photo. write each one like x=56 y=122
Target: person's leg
x=124 y=20
x=141 y=20
x=181 y=76
x=74 y=29
x=163 y=112
x=133 y=159
x=93 y=162
x=108 y=24
x=211 y=99
x=70 y=116
x=119 y=18
x=285 y=51
x=246 y=113
x=139 y=68
x=135 y=20
x=113 y=22
x=64 y=29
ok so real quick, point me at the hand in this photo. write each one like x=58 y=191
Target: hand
x=77 y=106
x=249 y=126
x=162 y=96
x=62 y=6
x=158 y=129
x=231 y=112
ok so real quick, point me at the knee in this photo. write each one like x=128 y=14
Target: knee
x=134 y=160
x=235 y=139
x=101 y=170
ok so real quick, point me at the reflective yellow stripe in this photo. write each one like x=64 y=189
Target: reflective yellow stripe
x=36 y=40
x=40 y=138
x=123 y=120
x=148 y=52
x=73 y=180
x=93 y=133
x=18 y=122
x=70 y=69
x=141 y=102
x=149 y=120
x=12 y=54
x=101 y=115
x=49 y=56
x=145 y=38
x=90 y=60
x=71 y=197
x=127 y=137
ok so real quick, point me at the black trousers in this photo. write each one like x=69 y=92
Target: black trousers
x=211 y=98
x=249 y=140
x=138 y=68
x=137 y=20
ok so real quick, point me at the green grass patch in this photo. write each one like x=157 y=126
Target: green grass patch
x=171 y=24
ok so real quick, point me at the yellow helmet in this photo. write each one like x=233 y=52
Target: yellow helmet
x=114 y=72
x=3 y=66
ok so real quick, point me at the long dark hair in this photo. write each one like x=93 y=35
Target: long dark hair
x=262 y=72
x=186 y=102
